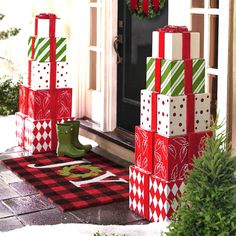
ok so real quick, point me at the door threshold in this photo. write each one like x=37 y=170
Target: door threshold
x=118 y=136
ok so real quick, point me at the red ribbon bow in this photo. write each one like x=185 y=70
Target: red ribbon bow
x=46 y=16
x=173 y=29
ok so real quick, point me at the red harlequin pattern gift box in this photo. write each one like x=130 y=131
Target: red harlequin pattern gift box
x=170 y=160
x=144 y=140
x=20 y=128
x=138 y=191
x=163 y=198
x=40 y=135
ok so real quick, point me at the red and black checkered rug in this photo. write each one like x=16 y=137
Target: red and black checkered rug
x=73 y=184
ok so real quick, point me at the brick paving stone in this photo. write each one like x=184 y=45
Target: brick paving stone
x=23 y=188
x=6 y=191
x=10 y=223
x=114 y=213
x=27 y=204
x=48 y=217
x=9 y=177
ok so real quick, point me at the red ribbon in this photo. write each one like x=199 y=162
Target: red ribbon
x=29 y=72
x=156 y=4
x=175 y=29
x=154 y=111
x=145 y=7
x=32 y=47
x=188 y=75
x=190 y=104
x=186 y=45
x=191 y=149
x=158 y=75
x=133 y=4
x=52 y=23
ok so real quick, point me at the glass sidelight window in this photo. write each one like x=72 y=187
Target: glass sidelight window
x=95 y=53
x=205 y=19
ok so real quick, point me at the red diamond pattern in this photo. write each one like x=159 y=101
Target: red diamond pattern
x=138 y=191
x=163 y=198
x=38 y=134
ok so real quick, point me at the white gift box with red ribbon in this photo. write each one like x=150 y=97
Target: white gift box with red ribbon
x=175 y=43
x=40 y=75
x=174 y=115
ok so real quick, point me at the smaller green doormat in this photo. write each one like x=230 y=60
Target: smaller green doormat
x=73 y=184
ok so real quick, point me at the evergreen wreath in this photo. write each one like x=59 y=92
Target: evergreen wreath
x=68 y=171
x=146 y=9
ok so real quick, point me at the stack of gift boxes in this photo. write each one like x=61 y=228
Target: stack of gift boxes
x=174 y=122
x=45 y=98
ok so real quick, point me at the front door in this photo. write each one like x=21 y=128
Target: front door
x=135 y=46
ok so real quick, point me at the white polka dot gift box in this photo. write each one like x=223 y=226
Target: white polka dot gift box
x=172 y=115
x=40 y=74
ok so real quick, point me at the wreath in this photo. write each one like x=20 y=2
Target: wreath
x=146 y=8
x=80 y=171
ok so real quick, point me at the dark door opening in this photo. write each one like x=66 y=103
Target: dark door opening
x=136 y=46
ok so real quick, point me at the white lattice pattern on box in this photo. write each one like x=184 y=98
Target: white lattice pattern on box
x=40 y=75
x=138 y=187
x=163 y=198
x=171 y=115
x=38 y=135
x=202 y=112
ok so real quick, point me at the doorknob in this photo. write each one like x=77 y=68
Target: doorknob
x=118 y=40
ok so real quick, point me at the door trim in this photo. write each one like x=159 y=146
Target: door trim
x=109 y=84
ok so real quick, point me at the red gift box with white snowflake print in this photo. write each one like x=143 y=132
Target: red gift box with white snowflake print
x=46 y=104
x=138 y=191
x=40 y=135
x=20 y=128
x=144 y=140
x=23 y=99
x=170 y=158
x=197 y=143
x=163 y=198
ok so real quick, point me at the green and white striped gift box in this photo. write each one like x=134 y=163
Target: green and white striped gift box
x=42 y=49
x=172 y=76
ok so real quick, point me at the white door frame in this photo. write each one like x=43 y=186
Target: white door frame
x=109 y=57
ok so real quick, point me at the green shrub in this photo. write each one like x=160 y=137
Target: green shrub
x=9 y=96
x=208 y=206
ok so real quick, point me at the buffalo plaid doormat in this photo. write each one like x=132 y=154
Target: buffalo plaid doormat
x=73 y=184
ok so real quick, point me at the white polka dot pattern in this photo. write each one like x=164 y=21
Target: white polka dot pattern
x=40 y=75
x=171 y=115
x=202 y=112
x=146 y=109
